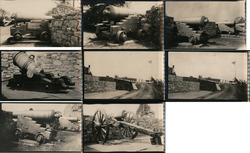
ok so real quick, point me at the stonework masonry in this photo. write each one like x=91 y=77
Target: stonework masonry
x=58 y=63
x=66 y=30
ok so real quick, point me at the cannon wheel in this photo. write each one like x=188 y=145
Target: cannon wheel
x=40 y=139
x=17 y=36
x=45 y=36
x=100 y=126
x=192 y=40
x=121 y=37
x=126 y=131
x=141 y=34
x=18 y=134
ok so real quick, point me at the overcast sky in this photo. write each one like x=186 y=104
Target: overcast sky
x=129 y=64
x=143 y=6
x=116 y=109
x=207 y=64
x=32 y=7
x=215 y=11
x=23 y=107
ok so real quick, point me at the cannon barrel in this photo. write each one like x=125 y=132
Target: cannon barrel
x=21 y=17
x=202 y=20
x=37 y=114
x=116 y=13
x=26 y=63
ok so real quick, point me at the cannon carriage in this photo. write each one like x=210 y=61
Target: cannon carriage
x=120 y=24
x=40 y=125
x=127 y=124
x=28 y=26
x=34 y=77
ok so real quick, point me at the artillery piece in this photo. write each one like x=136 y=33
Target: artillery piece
x=28 y=24
x=33 y=76
x=126 y=122
x=190 y=29
x=40 y=124
x=120 y=23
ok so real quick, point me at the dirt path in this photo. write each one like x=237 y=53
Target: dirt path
x=65 y=141
x=229 y=92
x=146 y=91
x=138 y=144
x=105 y=95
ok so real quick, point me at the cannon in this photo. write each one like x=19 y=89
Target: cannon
x=197 y=29
x=40 y=125
x=126 y=122
x=33 y=76
x=37 y=27
x=120 y=23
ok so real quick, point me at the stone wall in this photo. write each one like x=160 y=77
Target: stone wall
x=66 y=30
x=94 y=84
x=183 y=86
x=57 y=63
x=99 y=86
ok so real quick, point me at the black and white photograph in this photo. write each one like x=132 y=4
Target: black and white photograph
x=123 y=127
x=205 y=25
x=123 y=24
x=207 y=76
x=41 y=75
x=40 y=23
x=124 y=75
x=40 y=127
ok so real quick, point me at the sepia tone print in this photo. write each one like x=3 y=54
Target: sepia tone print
x=122 y=25
x=123 y=75
x=207 y=76
x=41 y=75
x=123 y=127
x=40 y=127
x=205 y=25
x=40 y=23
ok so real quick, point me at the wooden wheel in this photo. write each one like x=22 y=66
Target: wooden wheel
x=127 y=131
x=100 y=127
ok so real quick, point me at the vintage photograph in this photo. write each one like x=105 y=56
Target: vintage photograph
x=205 y=25
x=207 y=76
x=124 y=75
x=123 y=25
x=123 y=127
x=40 y=127
x=41 y=75
x=40 y=23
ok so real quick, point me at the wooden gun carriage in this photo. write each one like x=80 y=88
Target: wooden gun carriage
x=126 y=122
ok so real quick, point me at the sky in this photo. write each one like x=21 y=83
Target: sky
x=215 y=11
x=23 y=107
x=209 y=64
x=129 y=64
x=116 y=109
x=31 y=7
x=143 y=6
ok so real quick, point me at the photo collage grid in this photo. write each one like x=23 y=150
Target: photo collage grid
x=94 y=76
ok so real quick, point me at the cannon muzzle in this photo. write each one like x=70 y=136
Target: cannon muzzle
x=26 y=63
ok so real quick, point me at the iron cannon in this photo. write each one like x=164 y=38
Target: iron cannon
x=197 y=29
x=40 y=125
x=126 y=122
x=120 y=23
x=34 y=77
x=32 y=25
